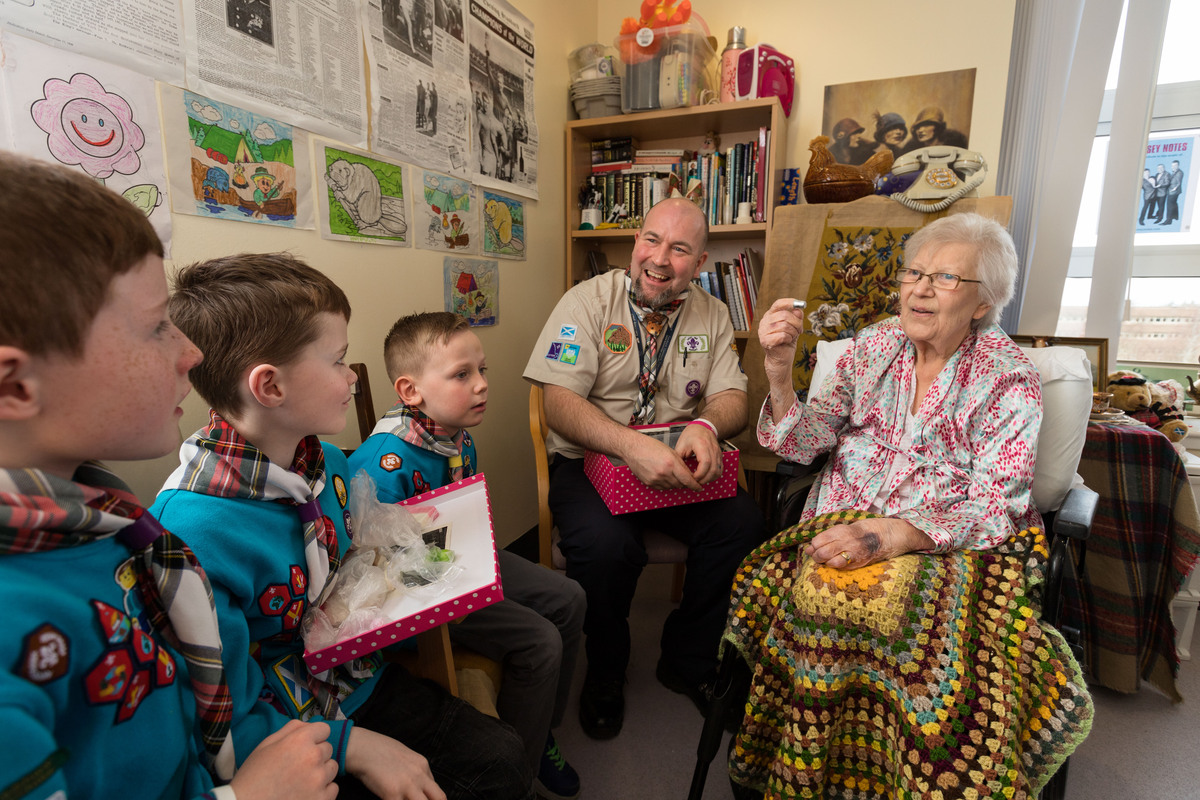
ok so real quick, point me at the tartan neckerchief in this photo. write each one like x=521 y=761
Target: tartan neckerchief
x=41 y=512
x=652 y=353
x=413 y=426
x=218 y=461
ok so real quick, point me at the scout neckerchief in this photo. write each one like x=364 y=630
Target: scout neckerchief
x=41 y=512
x=412 y=426
x=218 y=461
x=651 y=354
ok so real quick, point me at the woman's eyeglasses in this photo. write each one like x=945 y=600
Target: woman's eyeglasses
x=939 y=280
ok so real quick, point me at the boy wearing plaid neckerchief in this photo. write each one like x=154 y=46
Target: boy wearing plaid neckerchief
x=266 y=502
x=113 y=682
x=436 y=365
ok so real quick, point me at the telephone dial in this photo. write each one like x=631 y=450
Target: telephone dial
x=946 y=174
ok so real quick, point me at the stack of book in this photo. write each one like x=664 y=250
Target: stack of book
x=735 y=283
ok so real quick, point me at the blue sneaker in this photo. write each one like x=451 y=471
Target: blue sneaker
x=556 y=779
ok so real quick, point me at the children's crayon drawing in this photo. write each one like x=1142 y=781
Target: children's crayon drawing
x=88 y=115
x=241 y=165
x=472 y=289
x=503 y=221
x=446 y=215
x=364 y=197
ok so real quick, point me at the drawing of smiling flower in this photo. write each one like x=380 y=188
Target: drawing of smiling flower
x=89 y=126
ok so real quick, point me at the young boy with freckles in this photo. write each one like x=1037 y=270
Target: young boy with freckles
x=112 y=684
x=266 y=502
x=438 y=369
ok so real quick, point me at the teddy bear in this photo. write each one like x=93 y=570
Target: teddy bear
x=1158 y=405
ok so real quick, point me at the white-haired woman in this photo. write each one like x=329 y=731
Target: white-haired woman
x=932 y=417
x=894 y=634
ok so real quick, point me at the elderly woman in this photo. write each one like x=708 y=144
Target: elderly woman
x=893 y=634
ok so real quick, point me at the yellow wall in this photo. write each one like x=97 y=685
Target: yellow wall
x=830 y=45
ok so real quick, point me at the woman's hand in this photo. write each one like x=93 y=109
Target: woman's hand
x=778 y=331
x=864 y=542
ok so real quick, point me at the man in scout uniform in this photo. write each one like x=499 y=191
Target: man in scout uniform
x=634 y=348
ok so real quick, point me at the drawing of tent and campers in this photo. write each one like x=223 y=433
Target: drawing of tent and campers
x=471 y=301
x=233 y=172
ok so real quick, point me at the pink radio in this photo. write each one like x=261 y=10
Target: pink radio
x=763 y=71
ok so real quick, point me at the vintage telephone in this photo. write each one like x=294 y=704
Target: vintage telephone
x=946 y=174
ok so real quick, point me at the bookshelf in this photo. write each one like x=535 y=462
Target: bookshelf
x=676 y=128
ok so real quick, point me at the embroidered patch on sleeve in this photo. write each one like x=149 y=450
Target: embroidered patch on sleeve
x=555 y=351
x=390 y=462
x=339 y=485
x=46 y=655
x=570 y=354
x=693 y=343
x=617 y=338
x=567 y=332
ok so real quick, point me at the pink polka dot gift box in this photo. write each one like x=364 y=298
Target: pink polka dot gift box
x=463 y=520
x=623 y=493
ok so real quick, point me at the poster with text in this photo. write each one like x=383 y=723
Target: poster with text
x=503 y=222
x=1168 y=186
x=362 y=198
x=88 y=115
x=230 y=163
x=472 y=289
x=445 y=216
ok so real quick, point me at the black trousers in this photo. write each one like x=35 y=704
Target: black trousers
x=605 y=554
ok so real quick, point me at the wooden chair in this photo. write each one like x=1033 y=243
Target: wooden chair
x=435 y=658
x=660 y=548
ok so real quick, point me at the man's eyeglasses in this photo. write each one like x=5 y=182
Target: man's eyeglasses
x=939 y=280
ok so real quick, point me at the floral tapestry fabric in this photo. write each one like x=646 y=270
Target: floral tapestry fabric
x=851 y=288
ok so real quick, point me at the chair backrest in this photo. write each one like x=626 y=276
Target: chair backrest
x=363 y=406
x=537 y=431
x=1066 y=399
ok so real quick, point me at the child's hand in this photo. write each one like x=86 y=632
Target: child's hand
x=294 y=762
x=388 y=768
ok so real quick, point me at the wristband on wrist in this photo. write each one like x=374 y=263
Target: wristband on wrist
x=707 y=424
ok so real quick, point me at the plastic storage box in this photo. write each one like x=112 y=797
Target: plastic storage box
x=666 y=67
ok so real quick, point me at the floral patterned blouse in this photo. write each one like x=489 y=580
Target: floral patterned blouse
x=972 y=454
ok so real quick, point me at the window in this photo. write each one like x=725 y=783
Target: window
x=1162 y=319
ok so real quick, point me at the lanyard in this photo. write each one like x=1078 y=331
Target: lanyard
x=662 y=350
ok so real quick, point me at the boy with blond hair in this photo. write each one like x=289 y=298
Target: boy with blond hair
x=437 y=367
x=112 y=685
x=266 y=502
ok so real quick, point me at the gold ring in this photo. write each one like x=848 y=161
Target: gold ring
x=846 y=556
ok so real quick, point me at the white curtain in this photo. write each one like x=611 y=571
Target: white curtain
x=1060 y=56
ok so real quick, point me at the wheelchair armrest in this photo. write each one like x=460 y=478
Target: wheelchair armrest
x=1074 y=518
x=794 y=480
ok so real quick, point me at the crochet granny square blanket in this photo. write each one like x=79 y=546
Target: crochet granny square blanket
x=926 y=676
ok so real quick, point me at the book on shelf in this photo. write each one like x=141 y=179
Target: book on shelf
x=671 y=152
x=610 y=166
x=614 y=149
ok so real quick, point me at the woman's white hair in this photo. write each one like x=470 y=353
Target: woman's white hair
x=995 y=255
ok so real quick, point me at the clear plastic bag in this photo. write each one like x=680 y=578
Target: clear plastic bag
x=389 y=555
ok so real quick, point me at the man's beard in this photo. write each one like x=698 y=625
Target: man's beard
x=652 y=304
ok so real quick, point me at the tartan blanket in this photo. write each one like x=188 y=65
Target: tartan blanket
x=1145 y=541
x=923 y=676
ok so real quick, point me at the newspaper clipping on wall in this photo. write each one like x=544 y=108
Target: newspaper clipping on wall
x=298 y=61
x=452 y=88
x=142 y=35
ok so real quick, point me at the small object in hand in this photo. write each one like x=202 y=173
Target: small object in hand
x=846 y=556
x=799 y=304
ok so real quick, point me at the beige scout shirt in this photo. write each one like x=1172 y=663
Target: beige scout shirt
x=589 y=346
